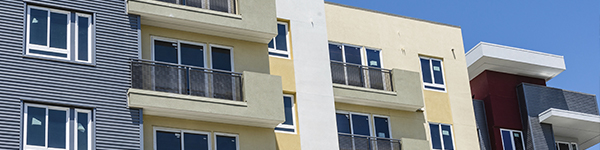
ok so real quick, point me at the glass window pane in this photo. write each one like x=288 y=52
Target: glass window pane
x=382 y=127
x=82 y=130
x=226 y=143
x=563 y=146
x=447 y=135
x=352 y=55
x=58 y=30
x=437 y=71
x=194 y=3
x=82 y=38
x=57 y=128
x=573 y=146
x=271 y=45
x=219 y=5
x=507 y=140
x=517 y=138
x=373 y=58
x=434 y=130
x=36 y=126
x=281 y=38
x=426 y=71
x=360 y=125
x=192 y=55
x=38 y=26
x=343 y=123
x=168 y=140
x=34 y=51
x=288 y=105
x=335 y=52
x=221 y=59
x=165 y=51
x=195 y=141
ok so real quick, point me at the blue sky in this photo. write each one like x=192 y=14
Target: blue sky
x=567 y=28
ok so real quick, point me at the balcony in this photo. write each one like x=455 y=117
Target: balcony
x=254 y=21
x=188 y=92
x=376 y=87
x=360 y=142
x=187 y=80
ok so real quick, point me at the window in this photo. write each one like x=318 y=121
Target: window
x=50 y=34
x=165 y=138
x=226 y=141
x=358 y=55
x=356 y=129
x=433 y=73
x=48 y=127
x=290 y=121
x=179 y=52
x=279 y=45
x=227 y=6
x=441 y=136
x=566 y=145
x=512 y=139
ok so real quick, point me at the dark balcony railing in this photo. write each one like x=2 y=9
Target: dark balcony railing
x=361 y=76
x=227 y=6
x=360 y=142
x=188 y=80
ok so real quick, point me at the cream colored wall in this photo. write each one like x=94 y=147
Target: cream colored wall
x=247 y=56
x=402 y=41
x=250 y=138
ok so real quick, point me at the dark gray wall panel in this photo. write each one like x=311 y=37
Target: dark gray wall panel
x=481 y=121
x=580 y=102
x=102 y=86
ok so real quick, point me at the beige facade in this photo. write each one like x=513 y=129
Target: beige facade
x=402 y=41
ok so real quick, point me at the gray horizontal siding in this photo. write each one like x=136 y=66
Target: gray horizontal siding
x=102 y=86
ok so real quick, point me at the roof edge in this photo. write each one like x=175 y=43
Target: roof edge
x=390 y=14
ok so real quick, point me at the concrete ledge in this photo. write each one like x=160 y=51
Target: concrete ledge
x=407 y=94
x=263 y=106
x=414 y=144
x=255 y=21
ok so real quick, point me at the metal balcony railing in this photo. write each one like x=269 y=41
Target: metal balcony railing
x=227 y=6
x=360 y=142
x=361 y=76
x=188 y=80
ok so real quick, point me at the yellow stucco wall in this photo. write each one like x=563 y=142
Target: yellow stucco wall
x=284 y=68
x=247 y=56
x=402 y=40
x=250 y=138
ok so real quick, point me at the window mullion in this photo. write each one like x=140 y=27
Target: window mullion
x=441 y=136
x=46 y=132
x=48 y=22
x=181 y=140
x=431 y=70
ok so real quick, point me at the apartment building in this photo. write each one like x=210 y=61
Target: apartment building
x=229 y=75
x=515 y=110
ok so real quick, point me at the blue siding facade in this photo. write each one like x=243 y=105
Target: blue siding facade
x=101 y=87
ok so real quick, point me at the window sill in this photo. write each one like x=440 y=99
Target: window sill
x=59 y=60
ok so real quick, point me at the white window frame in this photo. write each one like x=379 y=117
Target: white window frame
x=512 y=140
x=89 y=127
x=433 y=84
x=293 y=127
x=568 y=143
x=223 y=47
x=389 y=125
x=287 y=40
x=363 y=53
x=237 y=139
x=182 y=135
x=163 y=39
x=47 y=47
x=89 y=30
x=442 y=136
x=70 y=50
x=70 y=122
